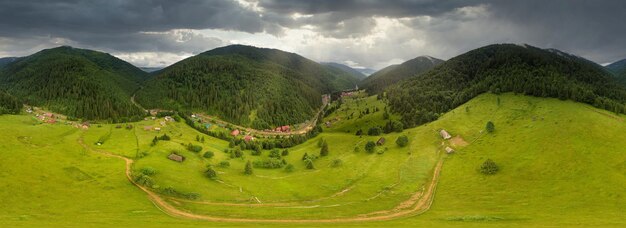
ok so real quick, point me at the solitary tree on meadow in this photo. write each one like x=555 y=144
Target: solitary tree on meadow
x=248 y=170
x=490 y=127
x=324 y=150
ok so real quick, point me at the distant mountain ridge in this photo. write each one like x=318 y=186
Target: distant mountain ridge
x=504 y=68
x=75 y=82
x=245 y=85
x=387 y=76
x=355 y=73
x=619 y=70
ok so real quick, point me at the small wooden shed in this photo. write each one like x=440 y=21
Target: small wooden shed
x=380 y=141
x=449 y=150
x=176 y=157
x=444 y=134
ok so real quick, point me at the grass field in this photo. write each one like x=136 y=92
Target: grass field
x=562 y=163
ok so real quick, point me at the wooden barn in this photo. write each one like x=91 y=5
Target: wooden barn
x=176 y=157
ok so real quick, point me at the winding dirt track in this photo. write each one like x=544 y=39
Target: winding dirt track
x=417 y=204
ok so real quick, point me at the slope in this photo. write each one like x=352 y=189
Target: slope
x=77 y=82
x=619 y=70
x=378 y=81
x=256 y=87
x=504 y=68
x=338 y=66
x=562 y=164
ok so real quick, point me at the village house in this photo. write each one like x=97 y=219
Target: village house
x=444 y=134
x=176 y=157
x=380 y=141
x=248 y=138
x=157 y=129
x=169 y=118
x=235 y=133
x=449 y=150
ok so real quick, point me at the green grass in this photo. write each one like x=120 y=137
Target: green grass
x=561 y=163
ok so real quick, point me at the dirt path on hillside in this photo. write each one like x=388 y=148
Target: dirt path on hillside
x=420 y=201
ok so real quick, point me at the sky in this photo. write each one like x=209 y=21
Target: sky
x=361 y=34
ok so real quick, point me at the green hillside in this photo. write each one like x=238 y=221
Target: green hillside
x=76 y=82
x=619 y=70
x=338 y=66
x=561 y=164
x=250 y=86
x=380 y=80
x=505 y=68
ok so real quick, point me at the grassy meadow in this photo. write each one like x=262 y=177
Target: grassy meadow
x=561 y=163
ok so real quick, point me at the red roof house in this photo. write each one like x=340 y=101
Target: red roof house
x=248 y=138
x=235 y=132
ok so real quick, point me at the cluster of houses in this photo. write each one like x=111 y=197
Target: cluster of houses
x=47 y=117
x=246 y=138
x=445 y=135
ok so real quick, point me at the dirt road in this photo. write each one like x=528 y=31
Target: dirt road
x=416 y=204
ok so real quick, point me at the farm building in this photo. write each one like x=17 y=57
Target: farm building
x=445 y=134
x=49 y=115
x=157 y=129
x=169 y=118
x=176 y=157
x=449 y=150
x=248 y=138
x=234 y=132
x=380 y=141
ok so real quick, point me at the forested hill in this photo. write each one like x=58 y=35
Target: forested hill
x=380 y=80
x=250 y=86
x=9 y=104
x=619 y=70
x=76 y=82
x=338 y=66
x=504 y=68
x=6 y=60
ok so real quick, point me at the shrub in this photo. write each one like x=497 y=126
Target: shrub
x=402 y=141
x=369 y=146
x=324 y=150
x=285 y=152
x=289 y=168
x=210 y=173
x=490 y=127
x=336 y=163
x=248 y=169
x=374 y=131
x=224 y=164
x=208 y=154
x=275 y=153
x=194 y=148
x=489 y=167
x=148 y=171
x=272 y=163
x=309 y=164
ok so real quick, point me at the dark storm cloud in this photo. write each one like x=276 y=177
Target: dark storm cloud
x=124 y=16
x=592 y=29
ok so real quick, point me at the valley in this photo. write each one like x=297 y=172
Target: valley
x=395 y=185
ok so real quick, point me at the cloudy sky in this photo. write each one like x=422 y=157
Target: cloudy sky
x=365 y=33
